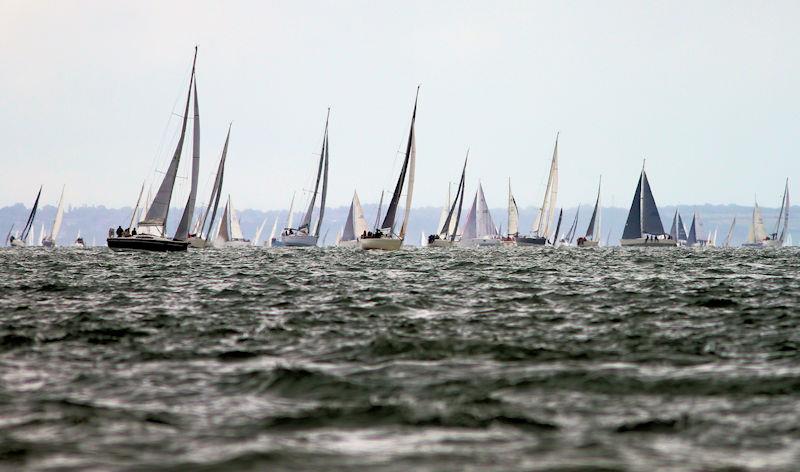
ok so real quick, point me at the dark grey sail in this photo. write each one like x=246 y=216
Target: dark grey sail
x=593 y=219
x=305 y=224
x=324 y=191
x=633 y=225
x=692 y=239
x=558 y=227
x=673 y=231
x=391 y=212
x=643 y=217
x=681 y=229
x=29 y=224
x=216 y=191
x=459 y=193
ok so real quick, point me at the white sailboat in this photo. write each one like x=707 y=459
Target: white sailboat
x=355 y=225
x=643 y=227
x=479 y=229
x=230 y=230
x=695 y=230
x=79 y=241
x=730 y=233
x=593 y=231
x=447 y=227
x=25 y=238
x=152 y=231
x=257 y=237
x=757 y=236
x=50 y=240
x=510 y=238
x=304 y=235
x=272 y=241
x=201 y=238
x=544 y=219
x=384 y=237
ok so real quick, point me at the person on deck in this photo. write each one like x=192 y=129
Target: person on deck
x=119 y=231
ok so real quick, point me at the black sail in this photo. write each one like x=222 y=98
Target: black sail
x=31 y=217
x=633 y=226
x=446 y=226
x=391 y=212
x=651 y=220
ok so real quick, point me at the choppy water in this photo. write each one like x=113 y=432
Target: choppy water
x=418 y=360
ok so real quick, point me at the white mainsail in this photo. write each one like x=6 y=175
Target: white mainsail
x=541 y=226
x=291 y=210
x=258 y=232
x=412 y=164
x=59 y=218
x=223 y=231
x=236 y=228
x=730 y=233
x=268 y=243
x=356 y=224
x=757 y=231
x=188 y=212
x=513 y=212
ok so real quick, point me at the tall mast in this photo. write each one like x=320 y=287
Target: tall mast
x=216 y=190
x=388 y=221
x=306 y=223
x=188 y=212
x=324 y=180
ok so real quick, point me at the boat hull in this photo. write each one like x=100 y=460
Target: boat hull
x=198 y=243
x=353 y=243
x=298 y=240
x=18 y=243
x=771 y=243
x=481 y=242
x=588 y=243
x=530 y=241
x=381 y=244
x=441 y=243
x=643 y=242
x=146 y=243
x=48 y=243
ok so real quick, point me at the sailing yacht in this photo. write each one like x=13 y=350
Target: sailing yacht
x=354 y=226
x=230 y=229
x=541 y=225
x=730 y=233
x=510 y=239
x=50 y=240
x=757 y=236
x=592 y=236
x=152 y=235
x=678 y=229
x=643 y=227
x=479 y=229
x=695 y=229
x=79 y=241
x=304 y=235
x=569 y=238
x=25 y=238
x=202 y=236
x=272 y=241
x=384 y=237
x=448 y=226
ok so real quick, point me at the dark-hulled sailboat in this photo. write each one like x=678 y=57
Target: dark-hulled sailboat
x=152 y=235
x=384 y=237
x=643 y=227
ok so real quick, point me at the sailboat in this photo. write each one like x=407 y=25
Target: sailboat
x=79 y=241
x=304 y=235
x=573 y=229
x=230 y=229
x=593 y=235
x=50 y=240
x=695 y=229
x=643 y=227
x=384 y=237
x=272 y=241
x=202 y=236
x=152 y=235
x=758 y=237
x=479 y=229
x=510 y=238
x=730 y=233
x=678 y=230
x=7 y=241
x=260 y=229
x=354 y=226
x=541 y=225
x=446 y=236
x=26 y=236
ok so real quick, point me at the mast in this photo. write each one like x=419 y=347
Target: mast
x=136 y=208
x=408 y=168
x=159 y=209
x=446 y=225
x=31 y=216
x=188 y=211
x=306 y=223
x=216 y=190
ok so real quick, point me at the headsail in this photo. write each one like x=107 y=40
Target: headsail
x=485 y=224
x=513 y=213
x=448 y=227
x=544 y=218
x=31 y=216
x=305 y=224
x=692 y=239
x=643 y=217
x=159 y=209
x=216 y=190
x=224 y=232
x=236 y=228
x=594 y=221
x=59 y=218
x=730 y=233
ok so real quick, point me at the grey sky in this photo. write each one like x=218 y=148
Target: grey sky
x=709 y=92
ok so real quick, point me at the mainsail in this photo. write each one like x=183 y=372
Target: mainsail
x=730 y=233
x=573 y=228
x=236 y=228
x=513 y=213
x=224 y=232
x=355 y=225
x=29 y=224
x=479 y=222
x=558 y=227
x=541 y=226
x=159 y=209
x=448 y=227
x=323 y=166
x=693 y=230
x=59 y=218
x=594 y=221
x=757 y=232
x=643 y=218
x=216 y=190
x=188 y=212
x=409 y=164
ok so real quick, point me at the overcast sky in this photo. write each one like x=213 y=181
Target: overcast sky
x=708 y=92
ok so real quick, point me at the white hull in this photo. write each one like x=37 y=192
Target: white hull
x=770 y=243
x=198 y=243
x=382 y=244
x=353 y=244
x=644 y=242
x=481 y=242
x=236 y=243
x=441 y=243
x=18 y=243
x=80 y=245
x=298 y=240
